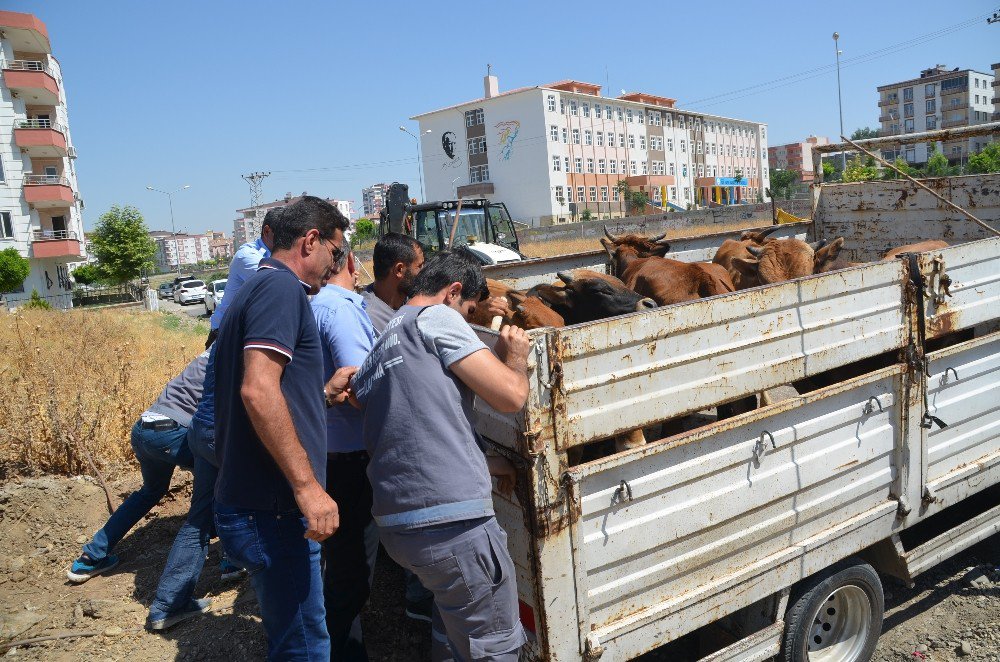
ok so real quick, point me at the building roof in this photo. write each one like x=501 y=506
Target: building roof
x=929 y=79
x=648 y=99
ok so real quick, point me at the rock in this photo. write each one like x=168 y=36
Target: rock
x=91 y=609
x=18 y=576
x=113 y=631
x=16 y=563
x=922 y=648
x=965 y=649
x=82 y=539
x=13 y=624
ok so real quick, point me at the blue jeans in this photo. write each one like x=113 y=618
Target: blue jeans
x=187 y=555
x=285 y=570
x=158 y=452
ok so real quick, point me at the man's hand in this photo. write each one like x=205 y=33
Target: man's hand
x=512 y=348
x=321 y=512
x=338 y=389
x=498 y=307
x=505 y=473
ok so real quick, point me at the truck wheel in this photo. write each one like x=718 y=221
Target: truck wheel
x=836 y=616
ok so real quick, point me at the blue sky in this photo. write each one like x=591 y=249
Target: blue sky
x=198 y=93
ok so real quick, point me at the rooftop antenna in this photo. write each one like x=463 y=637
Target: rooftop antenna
x=488 y=67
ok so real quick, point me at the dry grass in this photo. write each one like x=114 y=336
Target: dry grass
x=74 y=383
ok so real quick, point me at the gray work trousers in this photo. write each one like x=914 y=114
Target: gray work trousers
x=467 y=567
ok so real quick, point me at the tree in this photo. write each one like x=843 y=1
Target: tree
x=860 y=171
x=122 y=244
x=937 y=165
x=637 y=201
x=37 y=302
x=987 y=160
x=13 y=269
x=364 y=230
x=586 y=215
x=782 y=182
x=88 y=274
x=828 y=171
x=902 y=166
x=861 y=134
x=622 y=187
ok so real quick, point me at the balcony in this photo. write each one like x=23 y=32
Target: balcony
x=24 y=32
x=47 y=191
x=888 y=102
x=55 y=244
x=40 y=138
x=961 y=121
x=31 y=81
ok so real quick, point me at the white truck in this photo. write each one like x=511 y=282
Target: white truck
x=762 y=533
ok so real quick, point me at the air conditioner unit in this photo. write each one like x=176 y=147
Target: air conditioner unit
x=71 y=152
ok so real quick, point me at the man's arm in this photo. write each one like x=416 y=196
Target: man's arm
x=501 y=383
x=268 y=411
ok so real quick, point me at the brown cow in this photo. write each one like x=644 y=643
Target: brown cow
x=532 y=313
x=737 y=248
x=587 y=296
x=482 y=315
x=921 y=247
x=785 y=259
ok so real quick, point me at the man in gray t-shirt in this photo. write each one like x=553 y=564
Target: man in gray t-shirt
x=431 y=487
x=396 y=261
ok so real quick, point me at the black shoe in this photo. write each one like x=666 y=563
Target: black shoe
x=420 y=610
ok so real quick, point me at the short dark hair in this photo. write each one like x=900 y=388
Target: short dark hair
x=447 y=267
x=305 y=214
x=393 y=247
x=271 y=217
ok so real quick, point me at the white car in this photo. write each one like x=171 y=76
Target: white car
x=190 y=290
x=213 y=295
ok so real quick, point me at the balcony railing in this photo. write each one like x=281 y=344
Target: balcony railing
x=961 y=121
x=27 y=65
x=45 y=180
x=38 y=124
x=53 y=235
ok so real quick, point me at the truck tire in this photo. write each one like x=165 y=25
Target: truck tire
x=835 y=616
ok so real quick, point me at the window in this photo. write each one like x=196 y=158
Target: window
x=556 y=164
x=554 y=133
x=615 y=194
x=670 y=144
x=672 y=172
x=566 y=163
x=631 y=140
x=576 y=136
x=604 y=194
x=741 y=151
x=642 y=141
x=569 y=194
x=684 y=147
x=573 y=108
x=977 y=96
x=684 y=170
x=6 y=226
x=911 y=155
x=578 y=165
x=711 y=147
x=680 y=121
x=656 y=195
x=621 y=140
x=687 y=192
x=474 y=117
x=586 y=110
x=701 y=170
x=564 y=132
x=3 y=177
x=668 y=120
x=673 y=192
x=641 y=116
x=618 y=113
x=930 y=105
x=908 y=125
x=622 y=166
x=657 y=143
x=579 y=194
x=551 y=102
x=954 y=102
x=588 y=137
x=613 y=166
x=977 y=82
x=699 y=147
x=479 y=174
x=559 y=195
x=632 y=169
x=590 y=165
x=477 y=145
x=562 y=106
x=628 y=115
x=658 y=168
x=658 y=118
x=645 y=167
x=593 y=193
x=602 y=168
x=600 y=139
x=607 y=112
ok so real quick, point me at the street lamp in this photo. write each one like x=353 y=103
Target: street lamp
x=173 y=230
x=840 y=105
x=420 y=165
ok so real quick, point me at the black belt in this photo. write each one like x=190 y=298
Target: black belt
x=161 y=425
x=353 y=456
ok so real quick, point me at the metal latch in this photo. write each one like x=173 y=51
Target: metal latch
x=759 y=448
x=938 y=283
x=594 y=649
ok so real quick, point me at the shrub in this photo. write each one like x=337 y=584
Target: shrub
x=36 y=302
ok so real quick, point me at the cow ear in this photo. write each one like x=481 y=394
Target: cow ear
x=745 y=266
x=829 y=252
x=515 y=297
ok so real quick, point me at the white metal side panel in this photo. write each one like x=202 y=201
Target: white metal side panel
x=627 y=372
x=703 y=508
x=963 y=390
x=974 y=269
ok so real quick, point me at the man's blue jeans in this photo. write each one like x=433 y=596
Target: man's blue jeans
x=187 y=555
x=285 y=570
x=158 y=452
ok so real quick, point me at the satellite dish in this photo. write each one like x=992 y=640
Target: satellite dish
x=624 y=92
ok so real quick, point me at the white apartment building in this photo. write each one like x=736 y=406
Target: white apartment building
x=246 y=228
x=550 y=152
x=940 y=98
x=180 y=249
x=373 y=199
x=40 y=206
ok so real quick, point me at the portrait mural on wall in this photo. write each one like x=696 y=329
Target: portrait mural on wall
x=448 y=143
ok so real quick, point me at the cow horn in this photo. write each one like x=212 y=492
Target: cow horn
x=766 y=231
x=565 y=276
x=816 y=245
x=607 y=233
x=658 y=238
x=755 y=251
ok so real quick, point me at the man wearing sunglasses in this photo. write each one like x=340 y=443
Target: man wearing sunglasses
x=272 y=509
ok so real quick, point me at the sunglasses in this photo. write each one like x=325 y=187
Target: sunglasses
x=337 y=253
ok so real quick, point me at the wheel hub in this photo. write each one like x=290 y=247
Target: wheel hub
x=840 y=626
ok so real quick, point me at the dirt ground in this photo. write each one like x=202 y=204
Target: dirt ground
x=44 y=521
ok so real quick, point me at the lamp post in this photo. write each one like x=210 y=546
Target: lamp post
x=840 y=105
x=173 y=230
x=420 y=165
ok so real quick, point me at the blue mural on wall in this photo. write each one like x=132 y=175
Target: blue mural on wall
x=507 y=133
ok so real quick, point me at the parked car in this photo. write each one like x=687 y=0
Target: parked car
x=213 y=295
x=190 y=290
x=166 y=290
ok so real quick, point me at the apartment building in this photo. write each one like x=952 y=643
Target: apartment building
x=996 y=91
x=174 y=250
x=40 y=206
x=219 y=246
x=550 y=152
x=796 y=156
x=373 y=199
x=246 y=228
x=940 y=98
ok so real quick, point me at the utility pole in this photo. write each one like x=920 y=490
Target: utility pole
x=255 y=179
x=840 y=105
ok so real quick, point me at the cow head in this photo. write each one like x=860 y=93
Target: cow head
x=774 y=262
x=758 y=236
x=585 y=298
x=622 y=249
x=826 y=257
x=532 y=313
